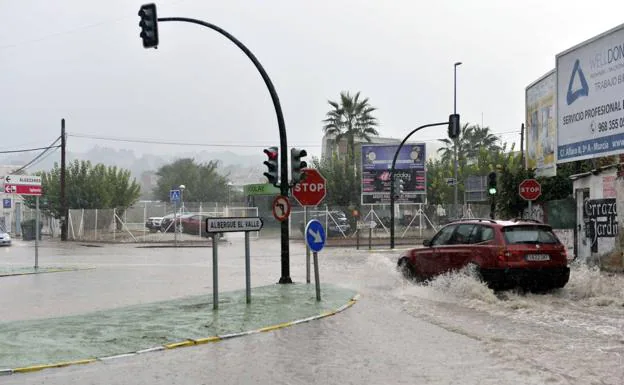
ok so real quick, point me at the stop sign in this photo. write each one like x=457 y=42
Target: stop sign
x=310 y=191
x=529 y=189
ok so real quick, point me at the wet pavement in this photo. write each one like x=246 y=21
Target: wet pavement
x=453 y=331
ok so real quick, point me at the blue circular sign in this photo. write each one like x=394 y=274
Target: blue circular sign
x=315 y=235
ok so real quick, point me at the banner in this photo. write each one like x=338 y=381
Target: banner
x=410 y=167
x=590 y=93
x=541 y=130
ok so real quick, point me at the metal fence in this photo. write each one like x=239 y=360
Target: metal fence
x=110 y=225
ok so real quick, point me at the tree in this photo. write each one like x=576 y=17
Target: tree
x=87 y=187
x=350 y=118
x=201 y=180
x=471 y=140
x=343 y=183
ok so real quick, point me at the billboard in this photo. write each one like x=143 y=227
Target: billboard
x=410 y=167
x=541 y=129
x=590 y=89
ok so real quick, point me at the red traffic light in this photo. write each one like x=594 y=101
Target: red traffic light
x=271 y=153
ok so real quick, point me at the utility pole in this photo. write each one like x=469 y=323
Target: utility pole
x=456 y=139
x=522 y=146
x=64 y=210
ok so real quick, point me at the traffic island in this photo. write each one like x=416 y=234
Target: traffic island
x=11 y=271
x=32 y=345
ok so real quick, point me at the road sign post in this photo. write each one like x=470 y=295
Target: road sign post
x=315 y=239
x=26 y=185
x=216 y=226
x=529 y=190
x=312 y=190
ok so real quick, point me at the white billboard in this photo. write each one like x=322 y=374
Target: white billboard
x=541 y=128
x=590 y=91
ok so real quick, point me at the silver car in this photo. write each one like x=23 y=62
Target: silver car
x=5 y=238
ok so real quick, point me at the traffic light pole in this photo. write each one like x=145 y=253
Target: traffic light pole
x=285 y=252
x=396 y=155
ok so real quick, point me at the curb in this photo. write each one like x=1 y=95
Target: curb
x=52 y=270
x=181 y=344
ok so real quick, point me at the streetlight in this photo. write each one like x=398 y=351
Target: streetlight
x=455 y=140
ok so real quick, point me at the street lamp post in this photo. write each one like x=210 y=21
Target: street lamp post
x=181 y=187
x=455 y=140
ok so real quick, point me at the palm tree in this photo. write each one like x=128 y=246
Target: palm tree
x=470 y=141
x=351 y=118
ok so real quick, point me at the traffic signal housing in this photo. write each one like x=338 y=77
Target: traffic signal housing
x=272 y=173
x=492 y=183
x=453 y=127
x=297 y=164
x=398 y=187
x=149 y=25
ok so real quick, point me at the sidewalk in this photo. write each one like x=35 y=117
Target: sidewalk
x=38 y=344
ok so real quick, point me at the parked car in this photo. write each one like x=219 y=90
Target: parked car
x=5 y=238
x=153 y=223
x=337 y=223
x=195 y=224
x=504 y=254
x=167 y=225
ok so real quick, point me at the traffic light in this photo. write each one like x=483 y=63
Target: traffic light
x=398 y=187
x=296 y=165
x=492 y=183
x=273 y=170
x=453 y=127
x=149 y=25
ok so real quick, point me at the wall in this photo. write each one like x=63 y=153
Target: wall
x=597 y=218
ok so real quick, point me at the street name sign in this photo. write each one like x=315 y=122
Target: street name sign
x=233 y=224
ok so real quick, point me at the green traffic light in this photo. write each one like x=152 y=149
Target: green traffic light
x=492 y=191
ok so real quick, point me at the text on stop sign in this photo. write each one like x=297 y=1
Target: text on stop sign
x=530 y=189
x=312 y=187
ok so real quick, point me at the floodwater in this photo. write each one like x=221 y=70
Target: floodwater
x=452 y=331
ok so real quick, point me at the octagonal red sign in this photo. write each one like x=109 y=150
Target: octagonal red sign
x=311 y=191
x=529 y=189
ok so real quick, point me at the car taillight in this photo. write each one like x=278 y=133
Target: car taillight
x=503 y=254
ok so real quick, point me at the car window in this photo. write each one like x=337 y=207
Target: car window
x=443 y=236
x=461 y=235
x=481 y=233
x=529 y=234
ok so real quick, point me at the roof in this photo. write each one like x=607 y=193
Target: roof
x=595 y=171
x=509 y=222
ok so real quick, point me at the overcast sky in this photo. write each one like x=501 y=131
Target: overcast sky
x=83 y=60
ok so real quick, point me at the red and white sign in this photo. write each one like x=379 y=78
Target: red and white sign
x=23 y=189
x=281 y=208
x=311 y=191
x=529 y=189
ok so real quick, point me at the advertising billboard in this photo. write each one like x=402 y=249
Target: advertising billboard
x=590 y=89
x=541 y=129
x=410 y=167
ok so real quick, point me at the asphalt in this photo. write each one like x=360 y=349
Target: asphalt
x=31 y=345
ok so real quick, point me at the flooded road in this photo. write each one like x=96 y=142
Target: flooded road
x=453 y=331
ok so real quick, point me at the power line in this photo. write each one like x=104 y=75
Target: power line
x=27 y=150
x=46 y=149
x=175 y=143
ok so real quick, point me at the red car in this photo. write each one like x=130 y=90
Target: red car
x=504 y=254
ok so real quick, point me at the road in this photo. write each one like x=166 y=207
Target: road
x=453 y=331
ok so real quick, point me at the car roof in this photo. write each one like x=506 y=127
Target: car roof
x=500 y=222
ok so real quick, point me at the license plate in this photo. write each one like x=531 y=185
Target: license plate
x=537 y=257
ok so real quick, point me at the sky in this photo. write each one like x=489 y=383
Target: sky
x=83 y=60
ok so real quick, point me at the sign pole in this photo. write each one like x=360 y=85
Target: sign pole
x=175 y=225
x=37 y=232
x=247 y=269
x=316 y=276
x=530 y=207
x=305 y=220
x=215 y=272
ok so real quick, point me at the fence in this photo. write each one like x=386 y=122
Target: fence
x=111 y=225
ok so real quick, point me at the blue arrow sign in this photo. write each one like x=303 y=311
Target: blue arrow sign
x=315 y=235
x=174 y=195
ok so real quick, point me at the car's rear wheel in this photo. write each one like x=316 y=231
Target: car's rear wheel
x=474 y=270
